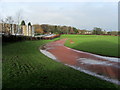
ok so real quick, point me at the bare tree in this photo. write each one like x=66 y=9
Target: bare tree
x=9 y=19
x=19 y=16
x=18 y=20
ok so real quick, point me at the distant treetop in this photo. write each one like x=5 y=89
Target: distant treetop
x=29 y=24
x=22 y=22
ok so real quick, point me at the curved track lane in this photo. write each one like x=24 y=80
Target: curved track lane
x=101 y=66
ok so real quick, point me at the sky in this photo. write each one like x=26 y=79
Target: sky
x=82 y=15
x=60 y=0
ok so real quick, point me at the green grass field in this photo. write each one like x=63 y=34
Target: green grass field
x=25 y=67
x=102 y=45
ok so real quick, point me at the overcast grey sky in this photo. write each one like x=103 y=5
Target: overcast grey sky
x=82 y=15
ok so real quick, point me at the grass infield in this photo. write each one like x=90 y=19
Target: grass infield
x=97 y=44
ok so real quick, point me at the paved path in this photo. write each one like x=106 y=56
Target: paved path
x=101 y=66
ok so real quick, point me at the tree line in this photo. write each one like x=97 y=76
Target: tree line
x=45 y=28
x=99 y=31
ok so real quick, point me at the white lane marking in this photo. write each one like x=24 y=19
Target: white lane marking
x=103 y=57
x=115 y=81
x=48 y=54
x=92 y=61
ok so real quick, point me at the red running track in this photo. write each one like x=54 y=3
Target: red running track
x=84 y=60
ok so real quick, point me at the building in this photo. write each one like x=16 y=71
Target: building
x=84 y=32
x=27 y=30
x=6 y=28
x=13 y=29
x=23 y=30
x=30 y=30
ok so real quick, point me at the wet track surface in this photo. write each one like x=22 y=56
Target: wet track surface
x=108 y=67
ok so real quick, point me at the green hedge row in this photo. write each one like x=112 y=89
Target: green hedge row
x=12 y=38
